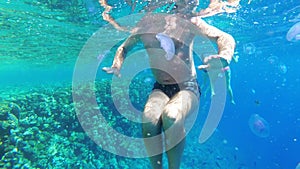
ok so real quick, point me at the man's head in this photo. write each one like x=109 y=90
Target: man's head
x=186 y=8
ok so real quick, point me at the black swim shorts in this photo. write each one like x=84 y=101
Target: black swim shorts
x=171 y=89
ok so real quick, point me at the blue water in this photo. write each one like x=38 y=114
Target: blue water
x=40 y=44
x=274 y=88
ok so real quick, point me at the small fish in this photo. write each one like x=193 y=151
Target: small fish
x=167 y=44
x=257 y=102
x=218 y=165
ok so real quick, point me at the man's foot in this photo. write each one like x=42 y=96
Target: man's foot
x=232 y=102
x=212 y=94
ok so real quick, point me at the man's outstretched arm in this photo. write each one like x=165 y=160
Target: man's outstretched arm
x=120 y=55
x=225 y=42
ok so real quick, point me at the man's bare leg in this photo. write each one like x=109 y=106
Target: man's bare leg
x=228 y=84
x=173 y=118
x=152 y=115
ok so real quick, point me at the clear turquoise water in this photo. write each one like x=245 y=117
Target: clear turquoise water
x=40 y=42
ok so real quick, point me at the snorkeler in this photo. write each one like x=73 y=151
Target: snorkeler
x=218 y=72
x=175 y=93
x=226 y=46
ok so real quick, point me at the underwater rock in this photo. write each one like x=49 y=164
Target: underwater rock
x=4 y=127
x=28 y=151
x=28 y=133
x=4 y=109
x=13 y=119
x=293 y=34
x=8 y=124
x=15 y=109
x=9 y=116
x=98 y=164
x=15 y=139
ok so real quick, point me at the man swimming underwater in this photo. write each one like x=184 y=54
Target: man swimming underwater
x=175 y=94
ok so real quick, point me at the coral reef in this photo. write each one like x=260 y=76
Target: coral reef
x=39 y=129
